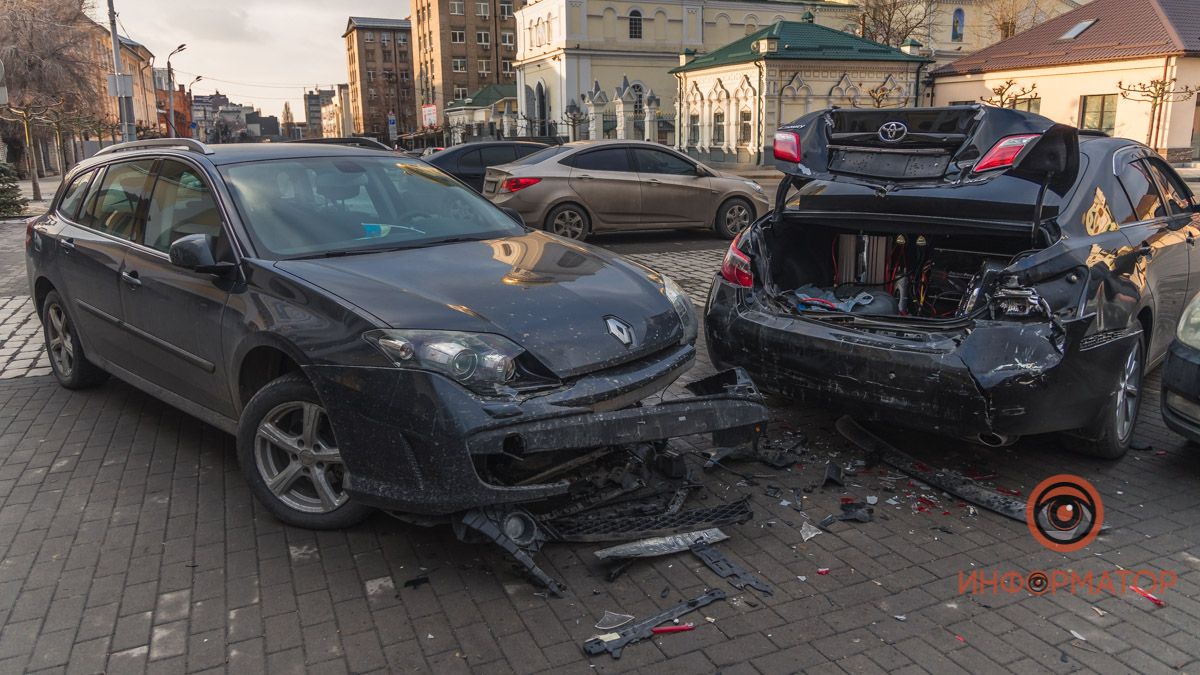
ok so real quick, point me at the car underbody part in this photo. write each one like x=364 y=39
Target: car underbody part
x=615 y=643
x=599 y=528
x=954 y=483
x=515 y=532
x=656 y=546
x=727 y=569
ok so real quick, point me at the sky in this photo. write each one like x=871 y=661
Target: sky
x=258 y=52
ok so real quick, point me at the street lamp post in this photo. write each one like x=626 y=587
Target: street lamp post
x=171 y=92
x=189 y=102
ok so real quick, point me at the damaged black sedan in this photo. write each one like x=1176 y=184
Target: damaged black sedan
x=982 y=272
x=377 y=335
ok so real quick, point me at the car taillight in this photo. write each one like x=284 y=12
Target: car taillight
x=514 y=184
x=29 y=232
x=735 y=268
x=1004 y=152
x=787 y=146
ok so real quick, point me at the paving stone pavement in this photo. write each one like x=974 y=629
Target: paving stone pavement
x=130 y=543
x=692 y=270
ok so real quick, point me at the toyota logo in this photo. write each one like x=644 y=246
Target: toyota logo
x=893 y=132
x=620 y=330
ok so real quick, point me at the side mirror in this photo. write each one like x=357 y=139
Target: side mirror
x=512 y=213
x=703 y=172
x=195 y=252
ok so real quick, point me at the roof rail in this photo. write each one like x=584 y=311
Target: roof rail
x=186 y=143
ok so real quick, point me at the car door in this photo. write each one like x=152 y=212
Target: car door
x=92 y=252
x=173 y=314
x=1161 y=248
x=673 y=191
x=608 y=186
x=1181 y=204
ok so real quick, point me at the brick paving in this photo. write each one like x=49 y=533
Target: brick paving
x=130 y=543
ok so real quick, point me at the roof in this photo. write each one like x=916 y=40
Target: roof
x=485 y=97
x=1121 y=30
x=800 y=41
x=373 y=22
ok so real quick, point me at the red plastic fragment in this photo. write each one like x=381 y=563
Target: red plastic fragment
x=1007 y=491
x=1149 y=596
x=683 y=627
x=822 y=570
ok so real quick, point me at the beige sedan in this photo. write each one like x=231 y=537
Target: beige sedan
x=575 y=189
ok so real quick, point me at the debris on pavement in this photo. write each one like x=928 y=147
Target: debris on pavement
x=681 y=628
x=872 y=500
x=808 y=531
x=656 y=546
x=900 y=617
x=1078 y=636
x=948 y=481
x=822 y=571
x=417 y=582
x=834 y=474
x=612 y=620
x=1148 y=595
x=727 y=569
x=826 y=522
x=614 y=643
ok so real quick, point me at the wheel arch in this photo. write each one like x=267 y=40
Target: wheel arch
x=41 y=288
x=262 y=359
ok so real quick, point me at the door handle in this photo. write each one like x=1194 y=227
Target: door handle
x=584 y=176
x=131 y=278
x=67 y=244
x=654 y=181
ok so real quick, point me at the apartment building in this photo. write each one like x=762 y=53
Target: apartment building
x=461 y=46
x=380 y=66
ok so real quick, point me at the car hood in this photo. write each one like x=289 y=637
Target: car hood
x=550 y=296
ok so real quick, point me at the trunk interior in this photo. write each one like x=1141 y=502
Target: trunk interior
x=820 y=269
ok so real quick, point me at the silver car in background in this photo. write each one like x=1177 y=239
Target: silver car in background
x=575 y=189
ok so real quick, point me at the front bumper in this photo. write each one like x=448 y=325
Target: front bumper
x=412 y=441
x=1181 y=391
x=994 y=377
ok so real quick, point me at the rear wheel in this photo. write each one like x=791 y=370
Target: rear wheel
x=290 y=458
x=1110 y=438
x=67 y=361
x=568 y=220
x=734 y=216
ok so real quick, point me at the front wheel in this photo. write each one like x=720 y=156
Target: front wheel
x=1110 y=438
x=289 y=455
x=734 y=216
x=568 y=220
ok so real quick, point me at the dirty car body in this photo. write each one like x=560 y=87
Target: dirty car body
x=445 y=352
x=983 y=272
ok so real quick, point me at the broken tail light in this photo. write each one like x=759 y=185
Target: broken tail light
x=735 y=268
x=515 y=184
x=787 y=146
x=1004 y=152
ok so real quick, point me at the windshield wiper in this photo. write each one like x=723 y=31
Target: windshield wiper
x=341 y=252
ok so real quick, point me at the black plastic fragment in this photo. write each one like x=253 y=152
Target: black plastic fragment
x=591 y=528
x=727 y=569
x=643 y=629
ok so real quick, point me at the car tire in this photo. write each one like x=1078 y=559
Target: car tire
x=1111 y=436
x=290 y=459
x=69 y=364
x=735 y=215
x=570 y=221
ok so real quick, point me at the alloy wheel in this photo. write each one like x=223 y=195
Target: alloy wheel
x=1127 y=393
x=60 y=341
x=737 y=217
x=568 y=223
x=298 y=458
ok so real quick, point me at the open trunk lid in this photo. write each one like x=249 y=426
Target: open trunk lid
x=922 y=146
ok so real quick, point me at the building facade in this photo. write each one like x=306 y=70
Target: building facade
x=488 y=113
x=336 y=120
x=136 y=61
x=379 y=61
x=1074 y=67
x=462 y=46
x=314 y=99
x=730 y=101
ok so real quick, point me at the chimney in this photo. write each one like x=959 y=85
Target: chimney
x=686 y=56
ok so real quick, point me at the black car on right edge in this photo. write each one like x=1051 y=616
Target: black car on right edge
x=1181 y=377
x=983 y=272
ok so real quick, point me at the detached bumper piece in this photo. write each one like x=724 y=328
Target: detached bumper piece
x=618 y=491
x=614 y=643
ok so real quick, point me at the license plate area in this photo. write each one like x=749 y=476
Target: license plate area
x=889 y=164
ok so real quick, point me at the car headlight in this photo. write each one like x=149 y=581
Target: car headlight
x=1189 y=325
x=753 y=186
x=484 y=363
x=683 y=307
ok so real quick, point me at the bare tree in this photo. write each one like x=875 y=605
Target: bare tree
x=1009 y=17
x=1156 y=93
x=575 y=118
x=883 y=96
x=1008 y=95
x=891 y=22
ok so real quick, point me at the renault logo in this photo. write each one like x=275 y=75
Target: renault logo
x=620 y=330
x=893 y=132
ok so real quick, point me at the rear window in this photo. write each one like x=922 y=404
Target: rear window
x=116 y=205
x=1143 y=195
x=609 y=159
x=543 y=155
x=307 y=207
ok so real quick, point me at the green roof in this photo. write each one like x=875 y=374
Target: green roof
x=485 y=97
x=799 y=41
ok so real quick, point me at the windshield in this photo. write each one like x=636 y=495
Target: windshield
x=542 y=155
x=315 y=206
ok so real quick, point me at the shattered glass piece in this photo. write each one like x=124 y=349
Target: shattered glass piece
x=612 y=620
x=826 y=522
x=1078 y=636
x=834 y=474
x=872 y=500
x=656 y=546
x=807 y=531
